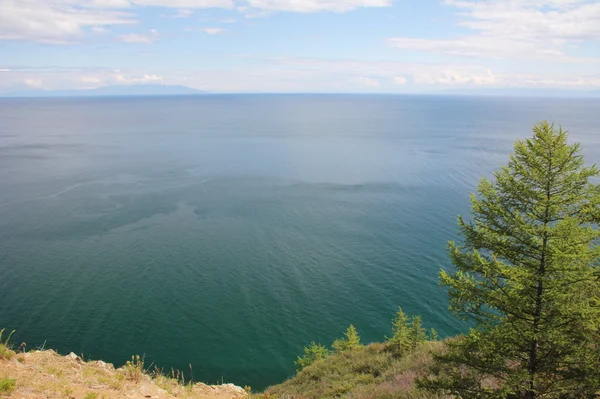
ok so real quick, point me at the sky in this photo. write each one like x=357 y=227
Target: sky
x=329 y=46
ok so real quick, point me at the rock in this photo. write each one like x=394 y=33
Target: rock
x=74 y=357
x=225 y=391
x=106 y=366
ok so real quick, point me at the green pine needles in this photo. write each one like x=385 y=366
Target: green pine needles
x=315 y=352
x=527 y=274
x=312 y=353
x=408 y=333
x=350 y=341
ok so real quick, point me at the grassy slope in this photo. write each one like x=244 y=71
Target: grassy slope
x=368 y=373
x=48 y=375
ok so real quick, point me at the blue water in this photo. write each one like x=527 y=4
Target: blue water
x=228 y=231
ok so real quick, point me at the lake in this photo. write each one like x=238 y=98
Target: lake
x=226 y=232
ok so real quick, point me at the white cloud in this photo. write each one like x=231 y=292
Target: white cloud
x=212 y=31
x=33 y=83
x=515 y=29
x=181 y=13
x=480 y=47
x=140 y=38
x=308 y=6
x=66 y=21
x=53 y=21
x=53 y=78
x=99 y=29
x=456 y=76
x=131 y=79
x=429 y=76
x=369 y=82
x=296 y=75
x=181 y=4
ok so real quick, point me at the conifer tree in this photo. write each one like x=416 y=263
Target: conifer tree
x=433 y=335
x=418 y=334
x=407 y=333
x=400 y=338
x=312 y=353
x=350 y=341
x=527 y=276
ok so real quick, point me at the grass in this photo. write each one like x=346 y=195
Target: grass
x=91 y=395
x=371 y=372
x=7 y=385
x=50 y=375
x=134 y=368
x=5 y=352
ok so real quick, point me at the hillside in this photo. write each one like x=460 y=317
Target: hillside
x=371 y=372
x=48 y=375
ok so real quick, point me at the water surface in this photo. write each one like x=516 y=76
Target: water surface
x=226 y=232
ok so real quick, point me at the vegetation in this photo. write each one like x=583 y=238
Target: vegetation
x=408 y=333
x=315 y=352
x=527 y=276
x=312 y=353
x=5 y=351
x=351 y=341
x=380 y=370
x=46 y=374
x=369 y=372
x=134 y=368
x=7 y=385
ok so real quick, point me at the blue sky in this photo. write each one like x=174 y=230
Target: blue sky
x=378 y=46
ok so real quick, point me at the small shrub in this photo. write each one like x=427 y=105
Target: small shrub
x=134 y=368
x=5 y=352
x=91 y=395
x=67 y=392
x=7 y=385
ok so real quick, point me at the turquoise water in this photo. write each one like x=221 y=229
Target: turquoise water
x=226 y=232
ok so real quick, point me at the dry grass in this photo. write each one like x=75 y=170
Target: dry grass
x=48 y=375
x=5 y=351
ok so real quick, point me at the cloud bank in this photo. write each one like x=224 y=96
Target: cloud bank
x=66 y=21
x=515 y=29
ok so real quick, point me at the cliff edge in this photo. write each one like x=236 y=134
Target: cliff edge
x=46 y=374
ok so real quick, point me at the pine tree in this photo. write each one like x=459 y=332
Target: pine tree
x=407 y=333
x=433 y=335
x=418 y=334
x=312 y=353
x=350 y=341
x=400 y=339
x=527 y=276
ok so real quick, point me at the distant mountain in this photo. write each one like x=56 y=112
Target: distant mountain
x=133 y=90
